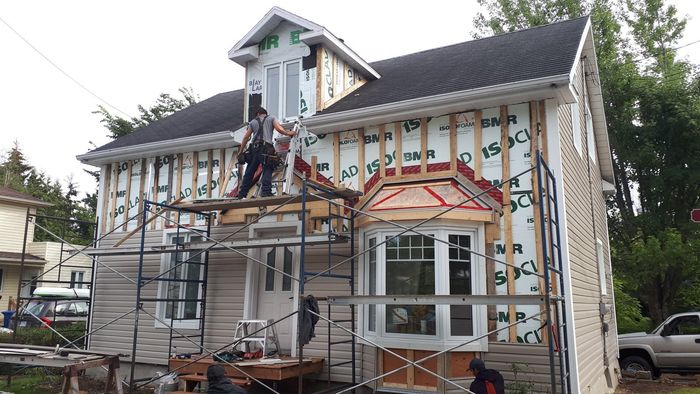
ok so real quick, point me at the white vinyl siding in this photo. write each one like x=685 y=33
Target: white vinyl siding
x=576 y=126
x=590 y=135
x=12 y=218
x=582 y=254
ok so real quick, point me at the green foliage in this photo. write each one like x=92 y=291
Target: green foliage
x=32 y=382
x=628 y=311
x=165 y=105
x=14 y=170
x=519 y=385
x=24 y=178
x=43 y=336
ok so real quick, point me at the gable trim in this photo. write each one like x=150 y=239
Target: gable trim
x=328 y=40
x=267 y=24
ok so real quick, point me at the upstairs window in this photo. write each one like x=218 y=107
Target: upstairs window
x=282 y=89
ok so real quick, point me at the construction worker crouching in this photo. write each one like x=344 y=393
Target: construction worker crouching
x=261 y=152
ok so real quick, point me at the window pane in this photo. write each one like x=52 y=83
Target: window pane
x=407 y=274
x=272 y=91
x=292 y=89
x=270 y=273
x=461 y=316
x=286 y=280
x=372 y=285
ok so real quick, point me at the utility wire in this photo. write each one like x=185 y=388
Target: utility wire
x=61 y=70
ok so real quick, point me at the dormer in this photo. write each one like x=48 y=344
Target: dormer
x=295 y=67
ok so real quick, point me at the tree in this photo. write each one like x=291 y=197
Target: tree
x=652 y=107
x=165 y=105
x=14 y=170
x=24 y=178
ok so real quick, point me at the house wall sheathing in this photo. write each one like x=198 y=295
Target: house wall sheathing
x=427 y=138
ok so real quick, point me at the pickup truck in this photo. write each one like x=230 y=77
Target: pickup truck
x=674 y=346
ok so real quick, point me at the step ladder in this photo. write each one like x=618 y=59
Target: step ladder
x=268 y=332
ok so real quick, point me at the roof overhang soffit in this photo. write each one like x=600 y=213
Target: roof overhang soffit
x=246 y=49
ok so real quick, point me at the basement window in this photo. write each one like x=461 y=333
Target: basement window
x=435 y=263
x=183 y=282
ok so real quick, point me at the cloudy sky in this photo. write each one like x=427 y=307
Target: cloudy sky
x=125 y=53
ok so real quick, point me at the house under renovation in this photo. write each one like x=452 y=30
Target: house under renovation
x=439 y=206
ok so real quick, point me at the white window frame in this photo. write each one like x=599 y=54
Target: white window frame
x=576 y=126
x=281 y=100
x=162 y=285
x=441 y=340
x=602 y=275
x=74 y=279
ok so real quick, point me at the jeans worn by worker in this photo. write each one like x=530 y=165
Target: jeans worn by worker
x=258 y=152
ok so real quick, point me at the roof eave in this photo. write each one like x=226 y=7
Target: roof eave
x=26 y=202
x=151 y=149
x=325 y=38
x=536 y=89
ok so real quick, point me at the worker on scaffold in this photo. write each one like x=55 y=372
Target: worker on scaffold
x=261 y=152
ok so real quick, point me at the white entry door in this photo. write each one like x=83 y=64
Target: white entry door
x=275 y=291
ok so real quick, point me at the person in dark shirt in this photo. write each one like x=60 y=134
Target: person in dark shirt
x=486 y=381
x=219 y=383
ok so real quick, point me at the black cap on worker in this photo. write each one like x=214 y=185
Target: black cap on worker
x=477 y=365
x=261 y=111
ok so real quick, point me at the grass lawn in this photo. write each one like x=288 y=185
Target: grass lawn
x=26 y=385
x=688 y=390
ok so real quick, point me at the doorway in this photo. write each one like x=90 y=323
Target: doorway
x=275 y=291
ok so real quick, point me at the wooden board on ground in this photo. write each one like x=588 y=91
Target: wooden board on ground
x=277 y=371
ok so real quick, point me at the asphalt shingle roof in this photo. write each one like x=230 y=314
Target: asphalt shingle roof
x=221 y=112
x=519 y=56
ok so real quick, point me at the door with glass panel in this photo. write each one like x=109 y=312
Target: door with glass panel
x=275 y=291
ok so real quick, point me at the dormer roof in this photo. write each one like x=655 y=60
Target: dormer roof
x=246 y=49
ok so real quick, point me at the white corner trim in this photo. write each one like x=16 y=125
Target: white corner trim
x=555 y=164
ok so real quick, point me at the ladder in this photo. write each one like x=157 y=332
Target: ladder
x=294 y=148
x=268 y=332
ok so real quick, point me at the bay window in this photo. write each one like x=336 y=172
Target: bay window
x=437 y=263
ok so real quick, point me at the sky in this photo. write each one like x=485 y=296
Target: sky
x=125 y=53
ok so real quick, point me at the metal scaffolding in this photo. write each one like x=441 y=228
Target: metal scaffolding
x=344 y=232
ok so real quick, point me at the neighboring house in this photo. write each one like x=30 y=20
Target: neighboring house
x=417 y=134
x=39 y=257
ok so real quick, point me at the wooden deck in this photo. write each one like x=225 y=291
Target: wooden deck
x=275 y=372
